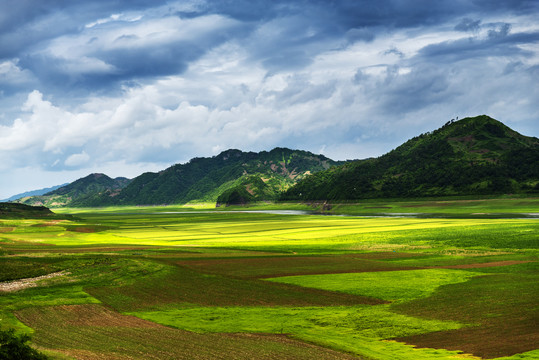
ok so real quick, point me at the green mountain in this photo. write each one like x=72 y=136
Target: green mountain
x=256 y=176
x=22 y=211
x=472 y=156
x=249 y=188
x=262 y=175
x=80 y=192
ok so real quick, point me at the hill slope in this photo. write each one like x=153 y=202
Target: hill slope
x=22 y=211
x=80 y=192
x=477 y=155
x=259 y=176
x=205 y=179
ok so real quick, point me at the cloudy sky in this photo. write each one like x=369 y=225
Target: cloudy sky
x=128 y=86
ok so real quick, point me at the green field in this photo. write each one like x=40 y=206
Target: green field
x=192 y=282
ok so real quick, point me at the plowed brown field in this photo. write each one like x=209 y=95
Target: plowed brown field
x=267 y=267
x=95 y=332
x=502 y=324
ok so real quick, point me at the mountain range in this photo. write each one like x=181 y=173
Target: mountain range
x=254 y=176
x=80 y=192
x=472 y=156
x=33 y=193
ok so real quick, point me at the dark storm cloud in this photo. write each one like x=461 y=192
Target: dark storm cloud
x=339 y=16
x=394 y=51
x=347 y=13
x=104 y=62
x=25 y=23
x=360 y=34
x=300 y=91
x=501 y=6
x=498 y=43
x=425 y=85
x=122 y=63
x=287 y=43
x=296 y=32
x=302 y=29
x=467 y=24
x=130 y=84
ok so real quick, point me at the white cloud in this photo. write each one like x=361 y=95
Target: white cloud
x=76 y=160
x=11 y=73
x=227 y=100
x=352 y=99
x=88 y=65
x=143 y=33
x=113 y=17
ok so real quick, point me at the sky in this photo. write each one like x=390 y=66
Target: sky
x=123 y=87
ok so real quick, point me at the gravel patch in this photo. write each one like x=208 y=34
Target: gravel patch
x=16 y=285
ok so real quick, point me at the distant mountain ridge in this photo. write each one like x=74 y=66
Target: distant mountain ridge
x=263 y=176
x=473 y=156
x=205 y=179
x=33 y=193
x=79 y=192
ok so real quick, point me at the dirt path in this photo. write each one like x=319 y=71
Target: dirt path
x=21 y=284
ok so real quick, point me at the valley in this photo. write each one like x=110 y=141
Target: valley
x=269 y=180
x=427 y=252
x=198 y=282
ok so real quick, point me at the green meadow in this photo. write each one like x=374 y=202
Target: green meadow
x=194 y=282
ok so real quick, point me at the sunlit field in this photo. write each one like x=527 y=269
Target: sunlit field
x=191 y=282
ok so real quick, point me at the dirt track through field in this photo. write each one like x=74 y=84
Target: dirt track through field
x=21 y=284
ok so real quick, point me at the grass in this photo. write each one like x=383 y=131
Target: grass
x=186 y=287
x=394 y=286
x=285 y=233
x=278 y=286
x=92 y=331
x=285 y=265
x=448 y=206
x=504 y=305
x=356 y=329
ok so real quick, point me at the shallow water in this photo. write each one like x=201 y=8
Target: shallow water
x=371 y=215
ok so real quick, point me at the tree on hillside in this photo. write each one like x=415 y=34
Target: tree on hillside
x=15 y=347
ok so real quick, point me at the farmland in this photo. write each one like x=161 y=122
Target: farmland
x=192 y=282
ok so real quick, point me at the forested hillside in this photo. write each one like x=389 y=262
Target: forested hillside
x=80 y=192
x=22 y=211
x=205 y=179
x=256 y=176
x=472 y=156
